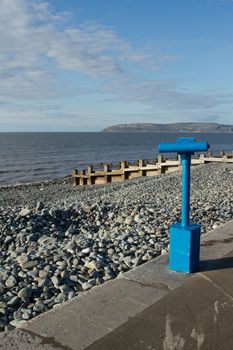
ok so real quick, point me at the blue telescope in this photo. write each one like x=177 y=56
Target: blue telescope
x=184 y=236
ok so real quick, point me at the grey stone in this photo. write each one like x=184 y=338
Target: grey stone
x=18 y=323
x=43 y=274
x=61 y=298
x=25 y=212
x=29 y=264
x=39 y=306
x=25 y=293
x=39 y=206
x=86 y=286
x=2 y=288
x=8 y=239
x=17 y=315
x=55 y=280
x=86 y=250
x=11 y=282
x=13 y=301
x=3 y=272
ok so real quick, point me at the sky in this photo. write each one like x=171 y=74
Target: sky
x=83 y=65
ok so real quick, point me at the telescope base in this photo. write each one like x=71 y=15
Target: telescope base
x=184 y=247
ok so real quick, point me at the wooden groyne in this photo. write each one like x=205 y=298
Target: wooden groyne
x=142 y=167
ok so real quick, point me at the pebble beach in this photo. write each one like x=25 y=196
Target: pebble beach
x=58 y=241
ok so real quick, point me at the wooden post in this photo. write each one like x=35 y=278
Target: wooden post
x=210 y=154
x=224 y=158
x=123 y=164
x=91 y=180
x=162 y=170
x=107 y=168
x=82 y=180
x=160 y=158
x=141 y=164
x=107 y=177
x=90 y=169
x=75 y=179
x=222 y=153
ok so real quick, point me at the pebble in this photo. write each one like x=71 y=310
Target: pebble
x=61 y=298
x=25 y=293
x=39 y=206
x=18 y=323
x=10 y=282
x=24 y=212
x=86 y=250
x=86 y=286
x=55 y=280
x=39 y=306
x=13 y=301
x=29 y=264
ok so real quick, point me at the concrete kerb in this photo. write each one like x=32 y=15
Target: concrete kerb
x=86 y=318
x=198 y=315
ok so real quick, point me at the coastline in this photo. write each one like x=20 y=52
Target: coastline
x=36 y=183
x=58 y=240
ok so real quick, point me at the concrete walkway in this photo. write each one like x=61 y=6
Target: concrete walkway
x=196 y=315
x=149 y=307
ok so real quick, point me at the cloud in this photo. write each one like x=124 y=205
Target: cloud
x=35 y=42
x=163 y=94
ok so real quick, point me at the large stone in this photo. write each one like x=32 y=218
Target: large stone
x=3 y=272
x=13 y=301
x=11 y=282
x=25 y=293
x=25 y=212
x=55 y=280
x=30 y=264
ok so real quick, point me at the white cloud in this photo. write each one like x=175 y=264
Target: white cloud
x=163 y=94
x=32 y=38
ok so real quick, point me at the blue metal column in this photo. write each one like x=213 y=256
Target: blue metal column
x=184 y=236
x=185 y=163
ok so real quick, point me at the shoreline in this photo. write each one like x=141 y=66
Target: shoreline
x=58 y=240
x=36 y=183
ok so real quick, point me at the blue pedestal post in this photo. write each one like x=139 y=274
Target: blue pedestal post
x=184 y=236
x=184 y=247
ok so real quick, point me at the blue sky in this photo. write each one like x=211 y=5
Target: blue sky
x=82 y=65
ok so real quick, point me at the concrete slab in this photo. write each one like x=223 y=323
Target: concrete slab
x=217 y=243
x=220 y=272
x=157 y=274
x=81 y=321
x=195 y=316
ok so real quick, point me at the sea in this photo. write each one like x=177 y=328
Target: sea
x=33 y=157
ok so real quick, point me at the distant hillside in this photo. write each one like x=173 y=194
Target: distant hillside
x=173 y=127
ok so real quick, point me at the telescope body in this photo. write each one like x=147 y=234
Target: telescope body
x=183 y=145
x=184 y=236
